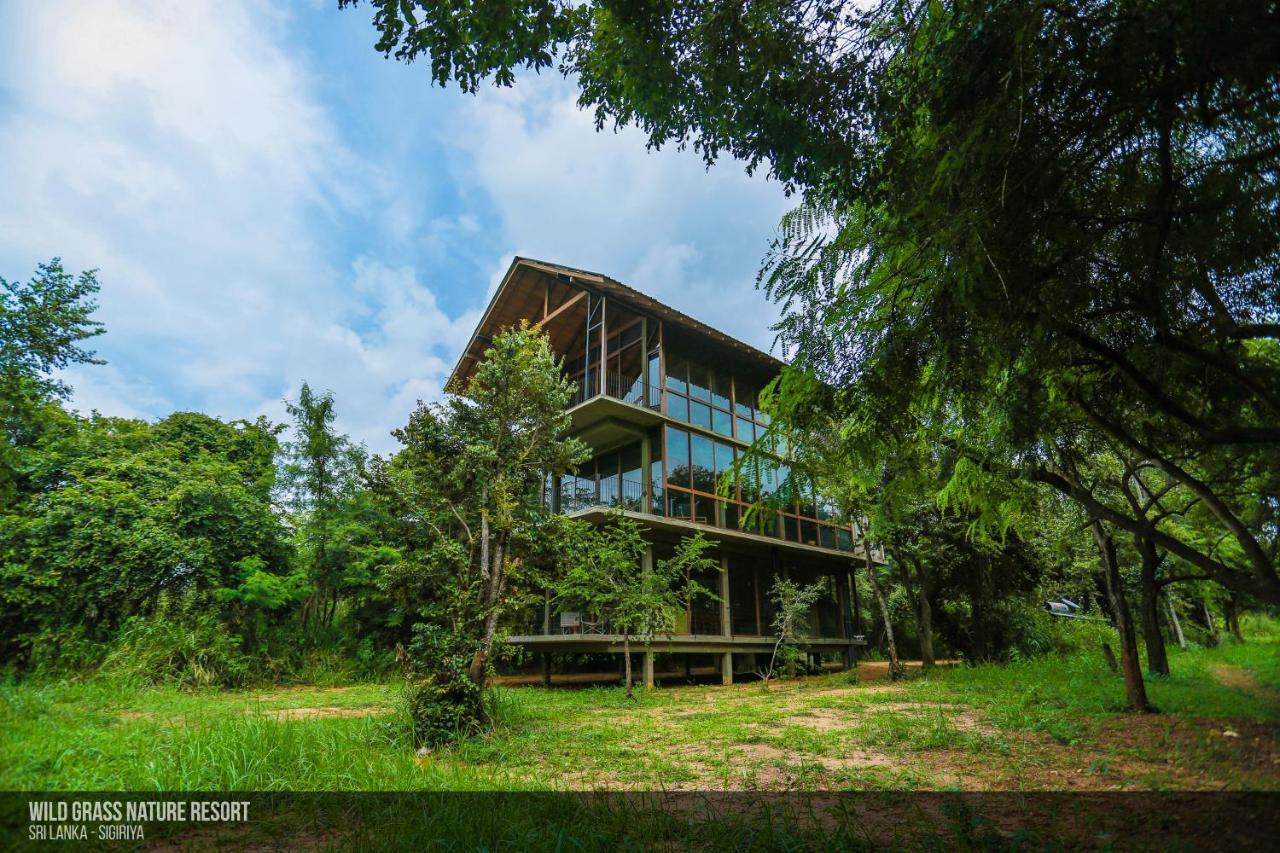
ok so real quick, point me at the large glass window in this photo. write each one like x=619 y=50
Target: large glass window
x=700 y=415
x=699 y=381
x=724 y=459
x=658 y=504
x=720 y=391
x=743 y=606
x=681 y=504
x=698 y=394
x=678 y=407
x=722 y=422
x=677 y=373
x=677 y=457
x=704 y=466
x=632 y=485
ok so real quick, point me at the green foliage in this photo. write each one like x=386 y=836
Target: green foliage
x=167 y=515
x=335 y=541
x=792 y=604
x=606 y=576
x=42 y=323
x=104 y=520
x=444 y=702
x=462 y=498
x=1033 y=312
x=196 y=652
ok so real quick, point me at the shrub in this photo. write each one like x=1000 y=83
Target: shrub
x=191 y=654
x=444 y=703
x=444 y=709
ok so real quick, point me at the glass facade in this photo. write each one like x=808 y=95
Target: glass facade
x=611 y=479
x=699 y=468
x=617 y=351
x=711 y=399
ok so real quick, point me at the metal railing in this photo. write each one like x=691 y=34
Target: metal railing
x=631 y=389
x=610 y=492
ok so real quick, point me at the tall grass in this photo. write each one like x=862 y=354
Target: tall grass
x=96 y=734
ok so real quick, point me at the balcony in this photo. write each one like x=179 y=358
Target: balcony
x=632 y=390
x=610 y=493
x=612 y=414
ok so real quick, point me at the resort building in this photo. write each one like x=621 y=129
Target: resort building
x=667 y=405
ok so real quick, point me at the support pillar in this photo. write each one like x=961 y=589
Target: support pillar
x=726 y=668
x=546 y=669
x=726 y=627
x=648 y=670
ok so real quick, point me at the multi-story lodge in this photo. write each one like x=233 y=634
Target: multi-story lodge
x=667 y=404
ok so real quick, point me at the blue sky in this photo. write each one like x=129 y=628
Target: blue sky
x=269 y=200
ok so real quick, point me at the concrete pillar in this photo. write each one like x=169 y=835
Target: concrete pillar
x=546 y=669
x=646 y=451
x=648 y=669
x=726 y=668
x=726 y=628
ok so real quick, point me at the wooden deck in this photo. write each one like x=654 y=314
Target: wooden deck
x=676 y=643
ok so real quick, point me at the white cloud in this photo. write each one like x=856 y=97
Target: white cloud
x=250 y=238
x=180 y=149
x=660 y=222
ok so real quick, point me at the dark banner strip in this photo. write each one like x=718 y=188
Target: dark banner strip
x=638 y=820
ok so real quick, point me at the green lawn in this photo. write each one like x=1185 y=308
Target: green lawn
x=1053 y=723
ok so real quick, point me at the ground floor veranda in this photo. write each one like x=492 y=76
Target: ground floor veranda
x=730 y=634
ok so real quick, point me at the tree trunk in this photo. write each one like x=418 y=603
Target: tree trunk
x=626 y=656
x=927 y=659
x=895 y=667
x=1233 y=617
x=1134 y=688
x=978 y=609
x=1214 y=639
x=1149 y=606
x=1174 y=621
x=479 y=670
x=918 y=594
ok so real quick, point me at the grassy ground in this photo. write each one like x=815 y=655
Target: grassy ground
x=1049 y=724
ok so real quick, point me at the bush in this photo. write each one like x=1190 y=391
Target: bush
x=442 y=709
x=444 y=703
x=191 y=654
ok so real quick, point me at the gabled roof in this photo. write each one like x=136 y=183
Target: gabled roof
x=508 y=306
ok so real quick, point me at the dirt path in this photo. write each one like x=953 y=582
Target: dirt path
x=1239 y=678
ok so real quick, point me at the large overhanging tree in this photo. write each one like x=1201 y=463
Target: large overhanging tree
x=1049 y=225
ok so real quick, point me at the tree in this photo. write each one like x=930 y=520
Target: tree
x=1048 y=251
x=125 y=514
x=1049 y=216
x=42 y=323
x=468 y=483
x=792 y=604
x=321 y=475
x=609 y=575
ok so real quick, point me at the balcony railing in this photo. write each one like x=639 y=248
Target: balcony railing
x=631 y=389
x=609 y=492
